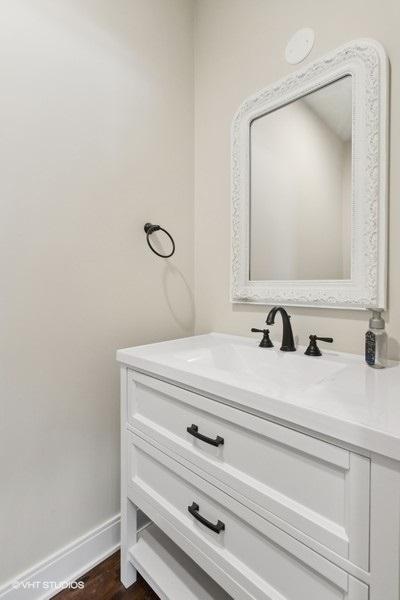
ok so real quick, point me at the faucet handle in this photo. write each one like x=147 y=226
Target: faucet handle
x=313 y=349
x=265 y=342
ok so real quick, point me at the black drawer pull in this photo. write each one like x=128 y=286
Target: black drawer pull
x=194 y=431
x=194 y=510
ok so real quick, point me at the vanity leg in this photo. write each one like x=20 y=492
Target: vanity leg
x=128 y=539
x=128 y=509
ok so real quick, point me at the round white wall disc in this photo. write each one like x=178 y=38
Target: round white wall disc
x=300 y=45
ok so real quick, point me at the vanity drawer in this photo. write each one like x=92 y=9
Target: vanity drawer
x=317 y=492
x=251 y=558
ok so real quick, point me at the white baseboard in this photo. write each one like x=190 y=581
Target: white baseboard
x=68 y=564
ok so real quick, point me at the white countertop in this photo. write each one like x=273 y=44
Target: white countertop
x=336 y=395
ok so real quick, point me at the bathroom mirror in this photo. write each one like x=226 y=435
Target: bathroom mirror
x=309 y=185
x=300 y=187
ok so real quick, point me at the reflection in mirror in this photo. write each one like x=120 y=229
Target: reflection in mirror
x=300 y=188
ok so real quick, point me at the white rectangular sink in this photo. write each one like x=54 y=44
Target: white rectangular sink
x=272 y=370
x=240 y=362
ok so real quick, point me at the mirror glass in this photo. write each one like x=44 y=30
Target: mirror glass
x=300 y=188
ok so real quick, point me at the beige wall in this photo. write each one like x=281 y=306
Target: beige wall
x=239 y=49
x=96 y=108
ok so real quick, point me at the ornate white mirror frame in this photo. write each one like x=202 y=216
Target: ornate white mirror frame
x=366 y=61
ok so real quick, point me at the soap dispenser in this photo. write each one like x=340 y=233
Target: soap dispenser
x=376 y=341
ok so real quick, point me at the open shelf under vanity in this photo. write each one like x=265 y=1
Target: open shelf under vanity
x=171 y=573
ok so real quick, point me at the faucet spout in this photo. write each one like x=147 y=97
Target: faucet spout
x=287 y=336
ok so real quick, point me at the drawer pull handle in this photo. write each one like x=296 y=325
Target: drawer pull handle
x=194 y=431
x=194 y=510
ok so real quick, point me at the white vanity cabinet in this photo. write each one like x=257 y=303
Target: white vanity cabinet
x=245 y=505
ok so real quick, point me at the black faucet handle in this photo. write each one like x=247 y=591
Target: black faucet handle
x=313 y=349
x=265 y=342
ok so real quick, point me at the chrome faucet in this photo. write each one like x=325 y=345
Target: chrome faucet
x=287 y=335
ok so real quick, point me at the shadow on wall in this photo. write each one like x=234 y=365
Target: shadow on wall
x=393 y=348
x=176 y=289
x=354 y=315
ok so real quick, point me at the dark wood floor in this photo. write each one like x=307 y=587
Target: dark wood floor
x=102 y=583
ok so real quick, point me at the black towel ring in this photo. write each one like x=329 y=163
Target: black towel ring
x=149 y=229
